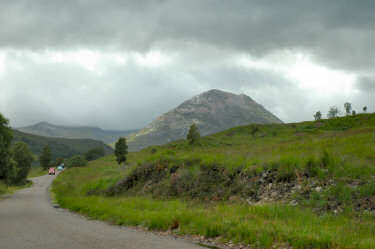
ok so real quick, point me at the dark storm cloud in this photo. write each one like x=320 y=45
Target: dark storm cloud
x=339 y=33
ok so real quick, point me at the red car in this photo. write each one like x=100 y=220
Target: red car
x=51 y=171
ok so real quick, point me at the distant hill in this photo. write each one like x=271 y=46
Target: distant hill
x=50 y=130
x=60 y=147
x=212 y=111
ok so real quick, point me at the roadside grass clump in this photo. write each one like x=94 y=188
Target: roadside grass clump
x=367 y=190
x=3 y=188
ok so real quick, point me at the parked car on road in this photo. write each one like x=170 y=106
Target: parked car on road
x=51 y=171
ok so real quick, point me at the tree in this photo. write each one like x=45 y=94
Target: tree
x=318 y=115
x=59 y=161
x=23 y=158
x=121 y=150
x=77 y=161
x=94 y=153
x=348 y=108
x=254 y=130
x=45 y=158
x=193 y=136
x=365 y=109
x=354 y=113
x=6 y=137
x=333 y=112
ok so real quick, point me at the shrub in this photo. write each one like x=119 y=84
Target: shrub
x=77 y=161
x=94 y=153
x=193 y=136
x=23 y=158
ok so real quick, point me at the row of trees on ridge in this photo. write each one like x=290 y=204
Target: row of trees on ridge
x=334 y=111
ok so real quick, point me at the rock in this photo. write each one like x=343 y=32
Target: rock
x=298 y=187
x=318 y=189
x=294 y=203
x=273 y=194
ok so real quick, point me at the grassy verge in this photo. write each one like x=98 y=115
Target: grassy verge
x=36 y=171
x=6 y=190
x=262 y=226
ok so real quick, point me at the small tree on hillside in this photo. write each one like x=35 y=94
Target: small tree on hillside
x=318 y=115
x=23 y=158
x=6 y=137
x=348 y=108
x=254 y=130
x=193 y=136
x=45 y=158
x=365 y=109
x=121 y=150
x=333 y=112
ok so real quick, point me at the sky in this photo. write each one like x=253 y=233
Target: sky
x=119 y=64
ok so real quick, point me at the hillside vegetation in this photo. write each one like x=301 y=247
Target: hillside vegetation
x=79 y=132
x=60 y=147
x=305 y=185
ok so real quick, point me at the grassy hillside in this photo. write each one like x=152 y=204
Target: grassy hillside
x=60 y=147
x=306 y=185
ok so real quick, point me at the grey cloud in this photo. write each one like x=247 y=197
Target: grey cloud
x=125 y=97
x=130 y=96
x=339 y=32
x=366 y=84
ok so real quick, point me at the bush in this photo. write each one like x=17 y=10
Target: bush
x=94 y=153
x=77 y=161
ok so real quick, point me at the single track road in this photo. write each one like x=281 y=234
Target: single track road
x=29 y=220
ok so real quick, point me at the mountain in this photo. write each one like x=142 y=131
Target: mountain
x=211 y=111
x=50 y=130
x=60 y=147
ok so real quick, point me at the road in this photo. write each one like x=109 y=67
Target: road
x=29 y=220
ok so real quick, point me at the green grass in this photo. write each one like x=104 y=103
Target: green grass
x=341 y=149
x=262 y=226
x=36 y=171
x=5 y=190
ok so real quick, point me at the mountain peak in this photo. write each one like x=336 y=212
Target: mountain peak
x=212 y=111
x=43 y=124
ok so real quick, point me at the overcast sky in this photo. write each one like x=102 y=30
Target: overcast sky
x=119 y=64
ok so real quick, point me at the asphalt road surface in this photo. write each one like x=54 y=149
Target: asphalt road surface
x=29 y=220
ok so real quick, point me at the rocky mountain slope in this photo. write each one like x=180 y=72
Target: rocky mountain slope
x=211 y=111
x=60 y=147
x=50 y=130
